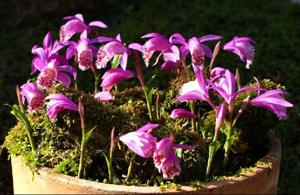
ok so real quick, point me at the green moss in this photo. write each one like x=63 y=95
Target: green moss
x=169 y=186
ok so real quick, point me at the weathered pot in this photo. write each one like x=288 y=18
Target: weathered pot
x=262 y=181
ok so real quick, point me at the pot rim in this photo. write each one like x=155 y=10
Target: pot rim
x=261 y=169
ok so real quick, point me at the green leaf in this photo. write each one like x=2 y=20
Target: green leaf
x=213 y=148
x=116 y=61
x=150 y=95
x=151 y=79
x=88 y=134
x=16 y=111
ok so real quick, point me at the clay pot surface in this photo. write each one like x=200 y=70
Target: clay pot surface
x=261 y=181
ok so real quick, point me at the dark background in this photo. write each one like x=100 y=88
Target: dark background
x=274 y=24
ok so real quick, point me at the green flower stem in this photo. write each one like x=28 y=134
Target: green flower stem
x=96 y=82
x=130 y=168
x=228 y=143
x=208 y=168
x=112 y=144
x=213 y=148
x=148 y=103
x=157 y=108
x=185 y=69
x=193 y=109
x=82 y=155
x=229 y=139
x=140 y=76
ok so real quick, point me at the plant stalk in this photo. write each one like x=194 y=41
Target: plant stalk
x=82 y=156
x=193 y=109
x=130 y=168
x=83 y=142
x=23 y=111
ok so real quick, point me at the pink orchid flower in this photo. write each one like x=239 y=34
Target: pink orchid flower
x=224 y=83
x=165 y=159
x=32 y=94
x=243 y=47
x=157 y=42
x=52 y=72
x=195 y=47
x=46 y=53
x=57 y=103
x=113 y=48
x=273 y=101
x=76 y=25
x=141 y=141
x=196 y=90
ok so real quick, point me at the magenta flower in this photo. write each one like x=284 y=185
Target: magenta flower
x=172 y=59
x=32 y=94
x=141 y=141
x=165 y=159
x=52 y=72
x=195 y=47
x=181 y=113
x=57 y=103
x=114 y=76
x=224 y=84
x=46 y=53
x=195 y=90
x=196 y=52
x=243 y=47
x=109 y=50
x=76 y=25
x=104 y=96
x=157 y=42
x=273 y=101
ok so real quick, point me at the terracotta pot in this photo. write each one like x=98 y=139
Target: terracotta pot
x=262 y=181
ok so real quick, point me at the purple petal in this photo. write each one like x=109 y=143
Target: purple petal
x=64 y=79
x=136 y=46
x=147 y=128
x=210 y=38
x=182 y=113
x=152 y=35
x=104 y=96
x=177 y=39
x=47 y=40
x=98 y=24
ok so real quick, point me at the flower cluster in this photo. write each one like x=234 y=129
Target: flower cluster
x=216 y=86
